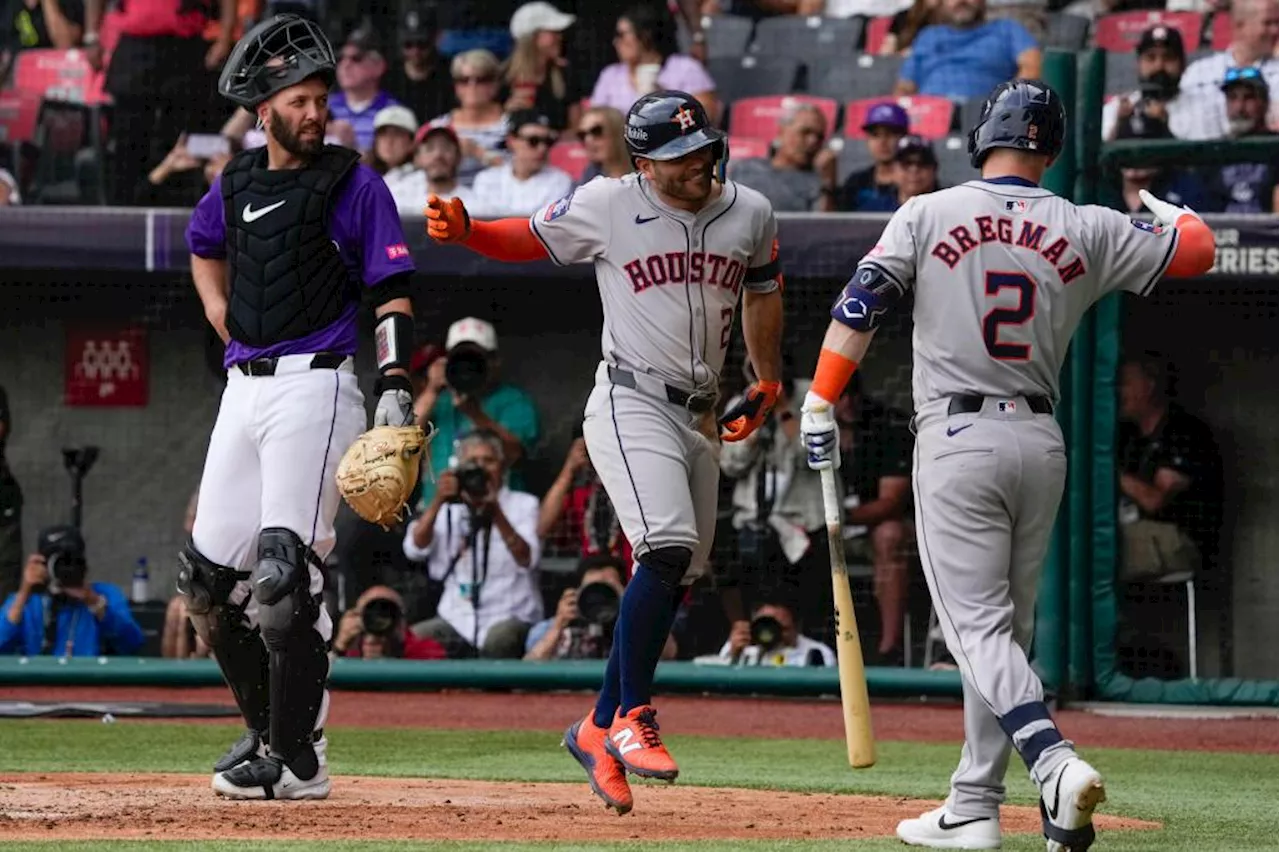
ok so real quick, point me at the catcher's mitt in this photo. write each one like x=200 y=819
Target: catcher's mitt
x=379 y=470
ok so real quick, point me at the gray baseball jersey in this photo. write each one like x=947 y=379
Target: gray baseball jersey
x=1002 y=271
x=670 y=282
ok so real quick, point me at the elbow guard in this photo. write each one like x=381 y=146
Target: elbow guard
x=393 y=338
x=866 y=298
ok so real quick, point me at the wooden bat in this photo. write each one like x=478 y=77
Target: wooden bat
x=853 y=677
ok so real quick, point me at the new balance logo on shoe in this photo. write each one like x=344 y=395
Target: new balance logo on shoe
x=947 y=826
x=623 y=739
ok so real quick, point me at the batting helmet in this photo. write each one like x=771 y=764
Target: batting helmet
x=1022 y=114
x=668 y=125
x=278 y=53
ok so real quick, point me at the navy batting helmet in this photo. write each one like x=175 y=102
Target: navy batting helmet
x=280 y=52
x=668 y=125
x=1022 y=114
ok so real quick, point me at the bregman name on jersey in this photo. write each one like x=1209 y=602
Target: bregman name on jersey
x=1031 y=236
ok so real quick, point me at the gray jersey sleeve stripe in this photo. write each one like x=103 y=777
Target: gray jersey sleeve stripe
x=533 y=226
x=1164 y=265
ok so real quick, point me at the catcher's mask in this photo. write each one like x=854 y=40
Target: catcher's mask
x=278 y=53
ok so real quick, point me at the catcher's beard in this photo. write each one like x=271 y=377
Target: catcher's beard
x=291 y=141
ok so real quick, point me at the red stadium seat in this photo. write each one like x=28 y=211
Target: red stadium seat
x=930 y=115
x=1220 y=38
x=747 y=147
x=758 y=117
x=877 y=29
x=63 y=75
x=18 y=113
x=1120 y=32
x=570 y=157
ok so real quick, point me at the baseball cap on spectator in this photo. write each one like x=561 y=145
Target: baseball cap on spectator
x=419 y=25
x=364 y=40
x=1160 y=35
x=532 y=17
x=428 y=130
x=913 y=146
x=887 y=115
x=474 y=331
x=521 y=118
x=1246 y=76
x=396 y=116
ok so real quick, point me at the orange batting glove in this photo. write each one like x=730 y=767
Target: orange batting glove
x=447 y=219
x=745 y=417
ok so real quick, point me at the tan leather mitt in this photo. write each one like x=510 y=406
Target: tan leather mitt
x=378 y=472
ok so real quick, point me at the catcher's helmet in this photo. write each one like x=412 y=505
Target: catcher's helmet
x=668 y=125
x=278 y=53
x=1022 y=114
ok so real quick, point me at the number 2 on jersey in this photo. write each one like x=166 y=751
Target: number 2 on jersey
x=996 y=317
x=726 y=314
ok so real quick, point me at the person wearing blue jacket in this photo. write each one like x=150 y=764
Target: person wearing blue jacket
x=56 y=612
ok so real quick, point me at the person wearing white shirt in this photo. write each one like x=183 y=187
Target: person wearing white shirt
x=1162 y=59
x=788 y=648
x=525 y=183
x=434 y=168
x=480 y=539
x=1254 y=26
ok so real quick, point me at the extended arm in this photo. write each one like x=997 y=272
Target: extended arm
x=510 y=240
x=1194 y=253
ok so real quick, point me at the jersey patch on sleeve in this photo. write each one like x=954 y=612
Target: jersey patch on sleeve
x=558 y=209
x=1150 y=227
x=397 y=251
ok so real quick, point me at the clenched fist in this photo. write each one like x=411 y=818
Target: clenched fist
x=447 y=219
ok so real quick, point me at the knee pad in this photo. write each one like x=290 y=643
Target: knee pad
x=669 y=563
x=282 y=586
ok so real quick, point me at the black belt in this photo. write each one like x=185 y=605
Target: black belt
x=267 y=366
x=972 y=404
x=698 y=403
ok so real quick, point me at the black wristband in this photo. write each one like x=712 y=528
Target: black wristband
x=392 y=382
x=393 y=341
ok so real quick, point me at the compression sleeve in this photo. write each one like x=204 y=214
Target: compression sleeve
x=1195 y=250
x=510 y=240
x=832 y=374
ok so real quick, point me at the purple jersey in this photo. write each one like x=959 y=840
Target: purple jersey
x=365 y=228
x=362 y=121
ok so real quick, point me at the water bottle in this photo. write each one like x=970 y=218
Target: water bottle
x=140 y=577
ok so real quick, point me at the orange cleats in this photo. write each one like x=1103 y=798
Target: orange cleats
x=634 y=741
x=587 y=744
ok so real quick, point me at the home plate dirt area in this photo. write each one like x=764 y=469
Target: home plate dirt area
x=99 y=806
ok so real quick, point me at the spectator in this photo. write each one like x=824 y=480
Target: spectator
x=852 y=8
x=915 y=168
x=55 y=611
x=10 y=509
x=375 y=628
x=478 y=120
x=876 y=447
x=1031 y=14
x=360 y=96
x=479 y=538
x=777 y=511
x=178 y=639
x=392 y=154
x=180 y=179
x=525 y=183
x=1161 y=61
x=434 y=169
x=476 y=398
x=966 y=56
x=600 y=132
x=773 y=638
x=9 y=195
x=582 y=628
x=801 y=175
x=29 y=24
x=421 y=79
x=645 y=42
x=873 y=190
x=1176 y=185
x=907 y=25
x=1253 y=42
x=576 y=512
x=467 y=25
x=162 y=82
x=1243 y=187
x=537 y=72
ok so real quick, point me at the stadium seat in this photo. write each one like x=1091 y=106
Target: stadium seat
x=877 y=29
x=807 y=38
x=1066 y=32
x=953 y=161
x=747 y=147
x=930 y=115
x=1122 y=73
x=18 y=114
x=570 y=157
x=1220 y=34
x=727 y=35
x=853 y=156
x=758 y=117
x=970 y=112
x=63 y=75
x=751 y=76
x=856 y=77
x=1121 y=31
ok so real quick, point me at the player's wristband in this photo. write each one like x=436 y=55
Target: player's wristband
x=833 y=373
x=393 y=339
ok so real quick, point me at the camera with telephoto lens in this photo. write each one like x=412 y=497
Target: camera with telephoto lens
x=473 y=481
x=466 y=369
x=63 y=550
x=766 y=632
x=598 y=604
x=380 y=617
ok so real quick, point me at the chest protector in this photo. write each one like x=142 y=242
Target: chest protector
x=287 y=278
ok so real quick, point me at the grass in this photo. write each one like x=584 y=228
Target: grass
x=1208 y=802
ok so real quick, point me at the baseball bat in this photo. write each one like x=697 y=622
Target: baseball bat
x=853 y=677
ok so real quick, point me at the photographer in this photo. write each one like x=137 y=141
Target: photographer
x=772 y=638
x=576 y=513
x=582 y=628
x=464 y=392
x=10 y=509
x=1161 y=61
x=479 y=538
x=56 y=612
x=375 y=628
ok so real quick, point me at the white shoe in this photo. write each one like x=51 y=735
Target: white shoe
x=1067 y=800
x=939 y=829
x=269 y=778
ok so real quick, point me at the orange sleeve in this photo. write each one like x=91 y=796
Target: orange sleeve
x=1194 y=254
x=833 y=373
x=511 y=240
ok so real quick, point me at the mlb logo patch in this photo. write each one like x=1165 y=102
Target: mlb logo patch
x=1015 y=206
x=1149 y=227
x=397 y=251
x=1006 y=406
x=561 y=207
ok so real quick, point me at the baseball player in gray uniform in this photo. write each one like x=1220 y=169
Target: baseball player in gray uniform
x=1002 y=271
x=673 y=249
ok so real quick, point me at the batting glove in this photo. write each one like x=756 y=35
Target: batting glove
x=820 y=432
x=1165 y=213
x=447 y=219
x=395 y=402
x=746 y=416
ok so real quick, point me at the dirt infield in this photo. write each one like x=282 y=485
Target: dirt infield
x=722 y=717
x=67 y=806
